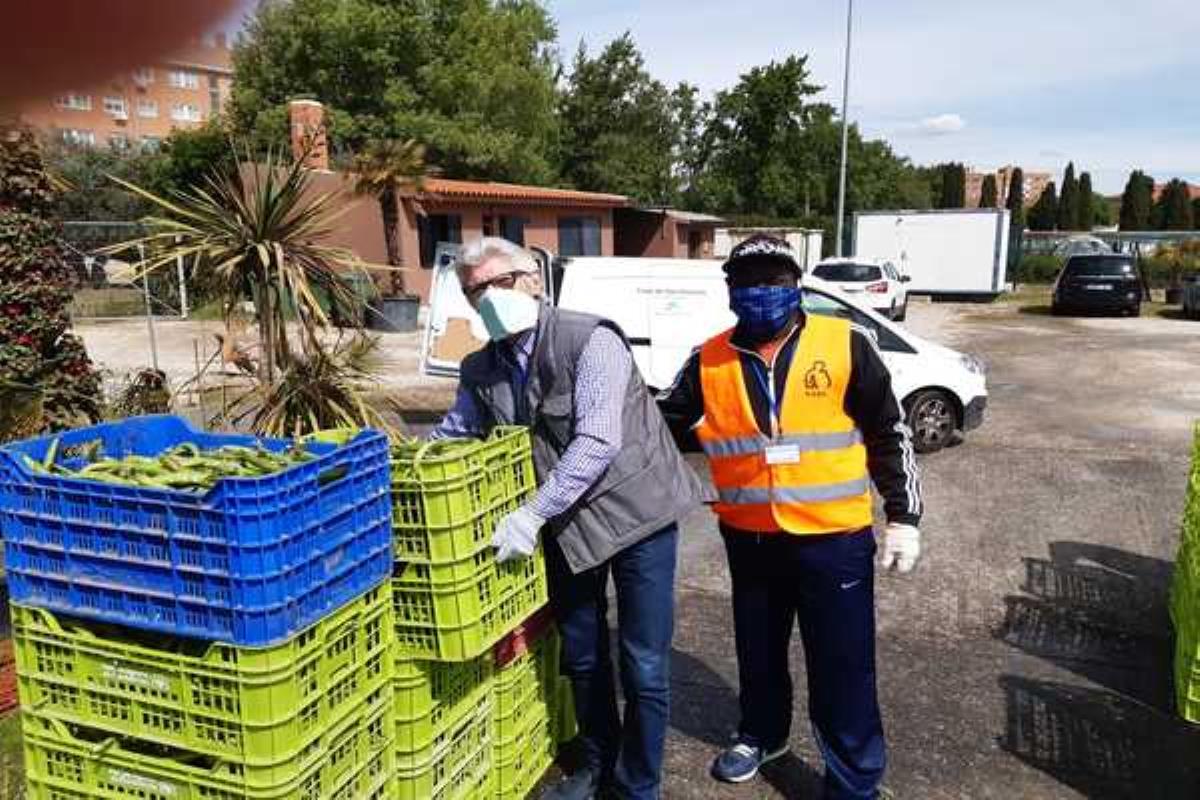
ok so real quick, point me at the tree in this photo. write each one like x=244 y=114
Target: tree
x=1087 y=204
x=951 y=185
x=693 y=145
x=619 y=134
x=40 y=359
x=1196 y=212
x=1136 y=202
x=473 y=80
x=1016 y=198
x=392 y=172
x=1043 y=215
x=987 y=192
x=1173 y=212
x=1068 y=201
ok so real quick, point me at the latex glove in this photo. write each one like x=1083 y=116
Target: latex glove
x=517 y=534
x=901 y=547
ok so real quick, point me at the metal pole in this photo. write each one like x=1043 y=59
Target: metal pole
x=841 y=206
x=183 y=298
x=149 y=310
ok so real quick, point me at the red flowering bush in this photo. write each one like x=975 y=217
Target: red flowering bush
x=36 y=347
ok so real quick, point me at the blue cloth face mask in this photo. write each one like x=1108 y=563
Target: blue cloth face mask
x=763 y=311
x=507 y=311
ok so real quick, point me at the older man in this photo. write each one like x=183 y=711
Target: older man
x=612 y=485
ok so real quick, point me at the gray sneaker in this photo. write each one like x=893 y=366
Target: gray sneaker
x=580 y=785
x=741 y=762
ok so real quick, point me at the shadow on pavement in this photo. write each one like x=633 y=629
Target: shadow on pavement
x=1099 y=612
x=705 y=707
x=1099 y=743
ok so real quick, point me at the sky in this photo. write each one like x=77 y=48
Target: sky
x=1112 y=86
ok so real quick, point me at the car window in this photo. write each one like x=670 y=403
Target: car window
x=1109 y=267
x=825 y=305
x=847 y=272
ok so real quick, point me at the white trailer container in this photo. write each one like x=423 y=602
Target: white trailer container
x=944 y=252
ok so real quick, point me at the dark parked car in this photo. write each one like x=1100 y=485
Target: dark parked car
x=1098 y=282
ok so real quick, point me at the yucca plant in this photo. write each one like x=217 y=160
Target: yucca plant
x=393 y=172
x=320 y=390
x=258 y=231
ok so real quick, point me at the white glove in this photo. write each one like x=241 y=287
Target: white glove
x=901 y=547
x=517 y=534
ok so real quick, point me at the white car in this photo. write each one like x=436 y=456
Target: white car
x=667 y=307
x=876 y=284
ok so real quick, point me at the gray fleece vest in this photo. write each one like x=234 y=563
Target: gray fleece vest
x=647 y=486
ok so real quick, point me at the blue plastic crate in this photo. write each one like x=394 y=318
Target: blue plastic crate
x=251 y=562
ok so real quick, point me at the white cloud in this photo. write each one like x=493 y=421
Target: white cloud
x=941 y=125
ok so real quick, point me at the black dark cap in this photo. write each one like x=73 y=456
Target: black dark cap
x=761 y=248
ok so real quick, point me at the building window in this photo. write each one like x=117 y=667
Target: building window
x=76 y=102
x=186 y=112
x=115 y=106
x=183 y=79
x=118 y=141
x=147 y=108
x=433 y=229
x=77 y=136
x=214 y=94
x=579 y=236
x=151 y=143
x=143 y=76
x=513 y=229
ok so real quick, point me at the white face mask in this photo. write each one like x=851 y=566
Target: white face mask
x=506 y=312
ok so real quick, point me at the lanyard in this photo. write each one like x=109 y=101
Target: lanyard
x=760 y=371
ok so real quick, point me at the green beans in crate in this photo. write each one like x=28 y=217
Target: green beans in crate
x=257 y=707
x=445 y=493
x=354 y=760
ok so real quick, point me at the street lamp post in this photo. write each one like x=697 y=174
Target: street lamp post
x=841 y=206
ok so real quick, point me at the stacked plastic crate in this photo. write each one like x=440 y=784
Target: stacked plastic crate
x=1185 y=599
x=533 y=711
x=229 y=645
x=453 y=602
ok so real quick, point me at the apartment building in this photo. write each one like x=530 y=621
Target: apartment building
x=140 y=108
x=1034 y=184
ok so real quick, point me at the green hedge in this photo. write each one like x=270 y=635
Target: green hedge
x=1038 y=268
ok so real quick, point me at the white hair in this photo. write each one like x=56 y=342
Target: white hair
x=472 y=254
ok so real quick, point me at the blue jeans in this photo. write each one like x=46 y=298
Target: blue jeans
x=828 y=583
x=627 y=756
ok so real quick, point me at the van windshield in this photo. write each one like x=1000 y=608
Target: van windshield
x=847 y=272
x=1106 y=267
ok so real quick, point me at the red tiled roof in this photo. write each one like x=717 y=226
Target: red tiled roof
x=489 y=191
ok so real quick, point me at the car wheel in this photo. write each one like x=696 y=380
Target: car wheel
x=902 y=313
x=933 y=420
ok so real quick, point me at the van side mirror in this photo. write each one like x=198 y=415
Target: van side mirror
x=905 y=279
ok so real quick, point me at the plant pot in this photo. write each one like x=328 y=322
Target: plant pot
x=394 y=314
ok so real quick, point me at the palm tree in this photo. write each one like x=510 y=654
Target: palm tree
x=393 y=172
x=257 y=230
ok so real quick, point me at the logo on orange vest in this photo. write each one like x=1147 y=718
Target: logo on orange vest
x=817 y=379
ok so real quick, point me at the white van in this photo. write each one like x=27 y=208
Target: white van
x=667 y=307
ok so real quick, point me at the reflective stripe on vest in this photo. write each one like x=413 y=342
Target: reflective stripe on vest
x=821 y=485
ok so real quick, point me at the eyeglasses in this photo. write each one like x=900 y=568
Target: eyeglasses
x=506 y=281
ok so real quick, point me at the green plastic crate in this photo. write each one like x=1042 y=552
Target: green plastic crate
x=352 y=762
x=524 y=691
x=432 y=698
x=460 y=621
x=445 y=493
x=460 y=765
x=520 y=764
x=255 y=706
x=567 y=726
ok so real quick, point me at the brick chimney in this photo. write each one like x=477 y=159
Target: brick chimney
x=308 y=133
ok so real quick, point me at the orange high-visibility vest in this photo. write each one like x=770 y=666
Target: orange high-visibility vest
x=811 y=476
